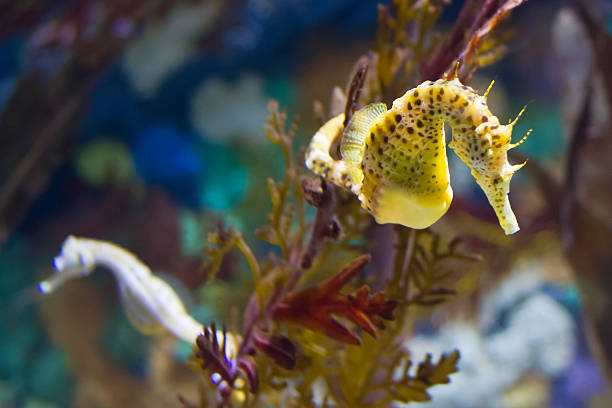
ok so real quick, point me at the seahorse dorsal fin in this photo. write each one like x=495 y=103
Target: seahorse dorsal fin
x=512 y=123
x=486 y=94
x=520 y=142
x=353 y=139
x=453 y=74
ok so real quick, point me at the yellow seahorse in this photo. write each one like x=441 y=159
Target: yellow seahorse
x=395 y=160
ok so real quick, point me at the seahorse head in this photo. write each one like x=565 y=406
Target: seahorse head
x=493 y=172
x=72 y=262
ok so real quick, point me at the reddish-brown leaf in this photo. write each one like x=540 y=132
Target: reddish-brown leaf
x=212 y=354
x=247 y=365
x=314 y=307
x=279 y=348
x=476 y=20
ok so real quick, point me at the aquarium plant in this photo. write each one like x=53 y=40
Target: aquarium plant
x=321 y=327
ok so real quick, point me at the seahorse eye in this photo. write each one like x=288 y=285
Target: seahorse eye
x=499 y=135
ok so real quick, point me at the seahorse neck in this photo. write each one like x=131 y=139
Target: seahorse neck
x=143 y=293
x=119 y=262
x=450 y=102
x=468 y=116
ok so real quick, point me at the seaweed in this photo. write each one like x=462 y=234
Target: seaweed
x=289 y=332
x=322 y=327
x=408 y=48
x=306 y=346
x=299 y=338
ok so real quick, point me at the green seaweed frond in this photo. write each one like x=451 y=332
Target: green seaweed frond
x=424 y=270
x=331 y=348
x=408 y=388
x=322 y=326
x=281 y=219
x=368 y=375
x=409 y=49
x=225 y=240
x=404 y=36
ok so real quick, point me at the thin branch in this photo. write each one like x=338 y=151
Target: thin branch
x=251 y=259
x=568 y=198
x=325 y=225
x=352 y=98
x=601 y=42
x=472 y=46
x=442 y=57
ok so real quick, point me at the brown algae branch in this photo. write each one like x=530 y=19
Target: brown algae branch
x=319 y=194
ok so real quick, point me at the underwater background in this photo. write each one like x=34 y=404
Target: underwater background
x=142 y=123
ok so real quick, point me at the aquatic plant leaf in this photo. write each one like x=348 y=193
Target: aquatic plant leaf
x=313 y=307
x=279 y=348
x=224 y=242
x=428 y=275
x=401 y=41
x=414 y=388
x=274 y=193
x=267 y=234
x=214 y=350
x=286 y=220
x=472 y=49
x=354 y=91
x=280 y=231
x=249 y=368
x=437 y=373
x=474 y=23
x=213 y=354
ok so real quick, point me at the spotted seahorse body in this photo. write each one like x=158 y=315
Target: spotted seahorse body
x=395 y=160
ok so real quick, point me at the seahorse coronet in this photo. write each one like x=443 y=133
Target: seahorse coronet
x=394 y=160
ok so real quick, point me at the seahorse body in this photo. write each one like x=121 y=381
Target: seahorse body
x=395 y=160
x=150 y=304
